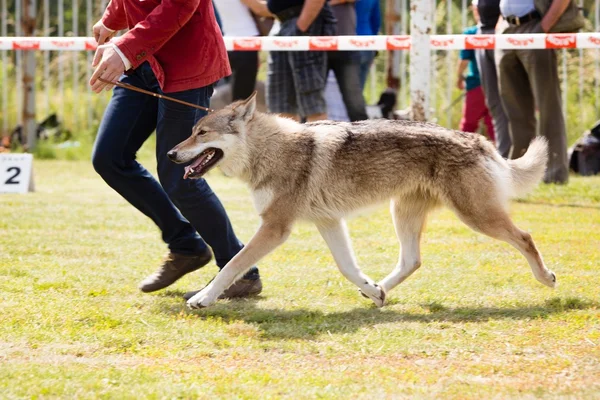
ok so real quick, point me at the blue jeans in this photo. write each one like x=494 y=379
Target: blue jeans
x=180 y=208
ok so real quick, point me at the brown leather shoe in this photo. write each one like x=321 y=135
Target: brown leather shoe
x=242 y=288
x=174 y=267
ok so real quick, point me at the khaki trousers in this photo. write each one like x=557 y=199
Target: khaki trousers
x=528 y=79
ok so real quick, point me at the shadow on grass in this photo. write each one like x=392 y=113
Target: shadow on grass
x=569 y=205
x=307 y=324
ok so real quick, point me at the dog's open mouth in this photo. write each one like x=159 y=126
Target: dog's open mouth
x=203 y=163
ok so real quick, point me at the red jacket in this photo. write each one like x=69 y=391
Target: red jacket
x=179 y=38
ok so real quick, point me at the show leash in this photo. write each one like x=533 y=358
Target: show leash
x=160 y=96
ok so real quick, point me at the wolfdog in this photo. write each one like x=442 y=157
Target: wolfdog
x=323 y=171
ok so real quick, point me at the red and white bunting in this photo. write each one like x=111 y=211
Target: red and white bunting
x=343 y=43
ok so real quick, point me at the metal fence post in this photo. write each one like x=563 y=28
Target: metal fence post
x=420 y=58
x=46 y=32
x=4 y=15
x=75 y=58
x=29 y=124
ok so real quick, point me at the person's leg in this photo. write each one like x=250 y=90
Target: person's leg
x=347 y=72
x=489 y=124
x=517 y=100
x=541 y=66
x=280 y=97
x=128 y=121
x=470 y=117
x=489 y=82
x=244 y=65
x=336 y=109
x=194 y=198
x=480 y=111
x=366 y=60
x=308 y=71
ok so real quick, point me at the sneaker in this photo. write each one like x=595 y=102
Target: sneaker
x=174 y=267
x=242 y=288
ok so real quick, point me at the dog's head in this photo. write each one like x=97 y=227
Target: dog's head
x=217 y=139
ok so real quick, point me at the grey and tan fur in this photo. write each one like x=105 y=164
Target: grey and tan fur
x=324 y=171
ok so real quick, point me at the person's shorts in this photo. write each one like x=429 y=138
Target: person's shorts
x=296 y=79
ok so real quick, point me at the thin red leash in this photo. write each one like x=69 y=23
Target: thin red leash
x=160 y=96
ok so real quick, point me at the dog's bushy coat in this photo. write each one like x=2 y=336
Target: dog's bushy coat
x=324 y=171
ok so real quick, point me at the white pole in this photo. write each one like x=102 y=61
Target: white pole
x=449 y=69
x=28 y=108
x=597 y=60
x=396 y=31
x=565 y=82
x=88 y=59
x=61 y=71
x=434 y=54
x=464 y=13
x=19 y=66
x=403 y=71
x=46 y=32
x=75 y=58
x=4 y=70
x=583 y=110
x=420 y=58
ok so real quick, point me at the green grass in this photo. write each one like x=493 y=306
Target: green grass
x=471 y=323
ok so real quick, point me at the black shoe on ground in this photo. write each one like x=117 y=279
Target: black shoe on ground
x=244 y=287
x=174 y=267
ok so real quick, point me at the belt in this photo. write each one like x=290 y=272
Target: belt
x=513 y=20
x=289 y=13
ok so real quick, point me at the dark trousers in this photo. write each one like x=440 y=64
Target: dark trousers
x=346 y=67
x=244 y=67
x=486 y=64
x=180 y=208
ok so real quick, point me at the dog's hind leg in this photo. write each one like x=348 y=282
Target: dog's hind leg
x=409 y=215
x=265 y=240
x=336 y=236
x=486 y=215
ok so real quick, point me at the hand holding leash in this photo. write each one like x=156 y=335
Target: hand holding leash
x=149 y=93
x=109 y=66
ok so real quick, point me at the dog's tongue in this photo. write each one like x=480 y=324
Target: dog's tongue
x=190 y=168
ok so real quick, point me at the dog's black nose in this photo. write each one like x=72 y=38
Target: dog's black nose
x=172 y=155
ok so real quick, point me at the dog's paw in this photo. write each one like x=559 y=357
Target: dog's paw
x=200 y=300
x=378 y=297
x=548 y=279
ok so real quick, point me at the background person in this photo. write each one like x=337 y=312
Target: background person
x=488 y=12
x=529 y=79
x=237 y=20
x=296 y=79
x=474 y=108
x=368 y=22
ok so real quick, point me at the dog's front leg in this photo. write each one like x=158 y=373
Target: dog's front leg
x=265 y=240
x=335 y=234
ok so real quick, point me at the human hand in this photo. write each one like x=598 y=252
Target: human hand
x=109 y=66
x=460 y=83
x=101 y=33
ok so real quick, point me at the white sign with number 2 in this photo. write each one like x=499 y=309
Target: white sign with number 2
x=16 y=173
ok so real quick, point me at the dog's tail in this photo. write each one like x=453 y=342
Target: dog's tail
x=527 y=171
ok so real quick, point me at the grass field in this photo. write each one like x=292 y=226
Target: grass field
x=471 y=323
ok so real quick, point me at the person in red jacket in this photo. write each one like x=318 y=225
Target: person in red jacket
x=172 y=47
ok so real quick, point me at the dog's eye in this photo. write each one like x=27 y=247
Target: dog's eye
x=201 y=132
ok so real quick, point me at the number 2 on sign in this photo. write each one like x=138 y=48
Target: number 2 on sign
x=11 y=180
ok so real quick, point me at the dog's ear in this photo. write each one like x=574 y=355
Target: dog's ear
x=245 y=109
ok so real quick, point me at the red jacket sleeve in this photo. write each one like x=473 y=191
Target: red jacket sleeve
x=114 y=16
x=149 y=35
